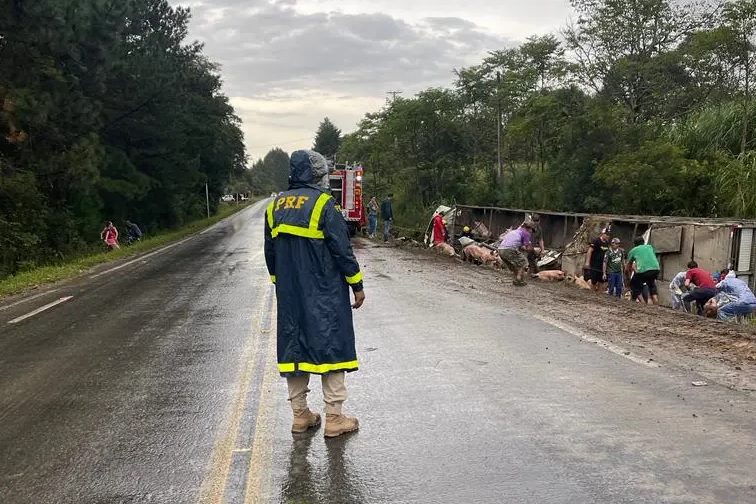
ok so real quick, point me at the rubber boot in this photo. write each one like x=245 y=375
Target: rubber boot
x=305 y=420
x=336 y=425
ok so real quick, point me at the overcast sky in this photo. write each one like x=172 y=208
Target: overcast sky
x=286 y=64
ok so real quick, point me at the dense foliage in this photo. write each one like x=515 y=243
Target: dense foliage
x=639 y=106
x=269 y=174
x=107 y=114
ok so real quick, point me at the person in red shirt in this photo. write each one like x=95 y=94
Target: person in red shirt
x=439 y=229
x=705 y=287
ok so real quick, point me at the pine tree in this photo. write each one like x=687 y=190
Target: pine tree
x=327 y=139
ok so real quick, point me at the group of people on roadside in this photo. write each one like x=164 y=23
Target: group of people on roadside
x=716 y=295
x=722 y=296
x=607 y=262
x=386 y=211
x=109 y=234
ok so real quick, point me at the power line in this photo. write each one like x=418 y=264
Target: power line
x=393 y=94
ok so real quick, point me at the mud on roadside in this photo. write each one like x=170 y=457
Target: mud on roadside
x=720 y=352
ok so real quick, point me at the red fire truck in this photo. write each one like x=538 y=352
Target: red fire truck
x=346 y=188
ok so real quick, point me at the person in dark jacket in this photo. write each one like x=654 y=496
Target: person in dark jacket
x=387 y=213
x=310 y=261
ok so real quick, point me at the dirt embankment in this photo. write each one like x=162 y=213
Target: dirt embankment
x=721 y=352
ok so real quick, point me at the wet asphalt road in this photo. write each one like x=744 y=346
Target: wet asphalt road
x=156 y=383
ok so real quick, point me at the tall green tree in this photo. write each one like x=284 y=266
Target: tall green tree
x=327 y=138
x=271 y=173
x=106 y=113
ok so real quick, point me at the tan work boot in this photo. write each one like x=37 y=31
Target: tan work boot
x=336 y=425
x=305 y=420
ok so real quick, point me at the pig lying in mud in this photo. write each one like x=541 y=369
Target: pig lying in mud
x=578 y=281
x=550 y=276
x=481 y=255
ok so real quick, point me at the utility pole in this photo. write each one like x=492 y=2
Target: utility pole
x=207 y=200
x=393 y=94
x=498 y=126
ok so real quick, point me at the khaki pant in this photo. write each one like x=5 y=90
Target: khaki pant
x=334 y=391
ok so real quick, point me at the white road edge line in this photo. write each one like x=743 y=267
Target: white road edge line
x=140 y=258
x=154 y=252
x=592 y=339
x=40 y=310
x=30 y=298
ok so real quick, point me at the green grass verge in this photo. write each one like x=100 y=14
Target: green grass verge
x=54 y=273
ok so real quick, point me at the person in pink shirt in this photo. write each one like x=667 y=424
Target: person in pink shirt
x=110 y=236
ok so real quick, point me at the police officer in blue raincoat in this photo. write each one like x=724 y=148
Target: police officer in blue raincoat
x=310 y=260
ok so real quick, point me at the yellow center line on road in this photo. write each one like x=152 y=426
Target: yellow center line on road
x=214 y=484
x=258 y=475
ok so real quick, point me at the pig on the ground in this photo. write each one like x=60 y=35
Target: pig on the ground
x=550 y=275
x=582 y=284
x=445 y=249
x=481 y=255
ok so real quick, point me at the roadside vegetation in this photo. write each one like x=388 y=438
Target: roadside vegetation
x=34 y=277
x=107 y=112
x=638 y=106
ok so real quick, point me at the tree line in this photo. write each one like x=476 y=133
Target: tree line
x=637 y=106
x=271 y=173
x=106 y=113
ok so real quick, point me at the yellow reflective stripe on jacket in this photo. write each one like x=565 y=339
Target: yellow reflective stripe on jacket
x=286 y=368
x=357 y=278
x=273 y=278
x=299 y=231
x=307 y=367
x=311 y=231
x=317 y=210
x=269 y=211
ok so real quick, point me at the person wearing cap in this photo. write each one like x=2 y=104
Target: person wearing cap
x=594 y=260
x=614 y=267
x=511 y=248
x=310 y=260
x=538 y=246
x=467 y=232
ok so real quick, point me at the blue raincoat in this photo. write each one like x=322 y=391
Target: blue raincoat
x=310 y=260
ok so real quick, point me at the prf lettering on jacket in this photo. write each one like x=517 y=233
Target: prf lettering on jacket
x=291 y=202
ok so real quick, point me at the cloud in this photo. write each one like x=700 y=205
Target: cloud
x=285 y=69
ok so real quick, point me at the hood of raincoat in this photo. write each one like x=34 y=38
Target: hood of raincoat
x=308 y=168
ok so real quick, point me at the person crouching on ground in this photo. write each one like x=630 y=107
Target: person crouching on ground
x=706 y=287
x=511 y=249
x=676 y=287
x=110 y=236
x=614 y=267
x=311 y=262
x=743 y=301
x=642 y=258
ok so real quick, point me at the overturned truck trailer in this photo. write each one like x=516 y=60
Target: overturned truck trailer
x=714 y=243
